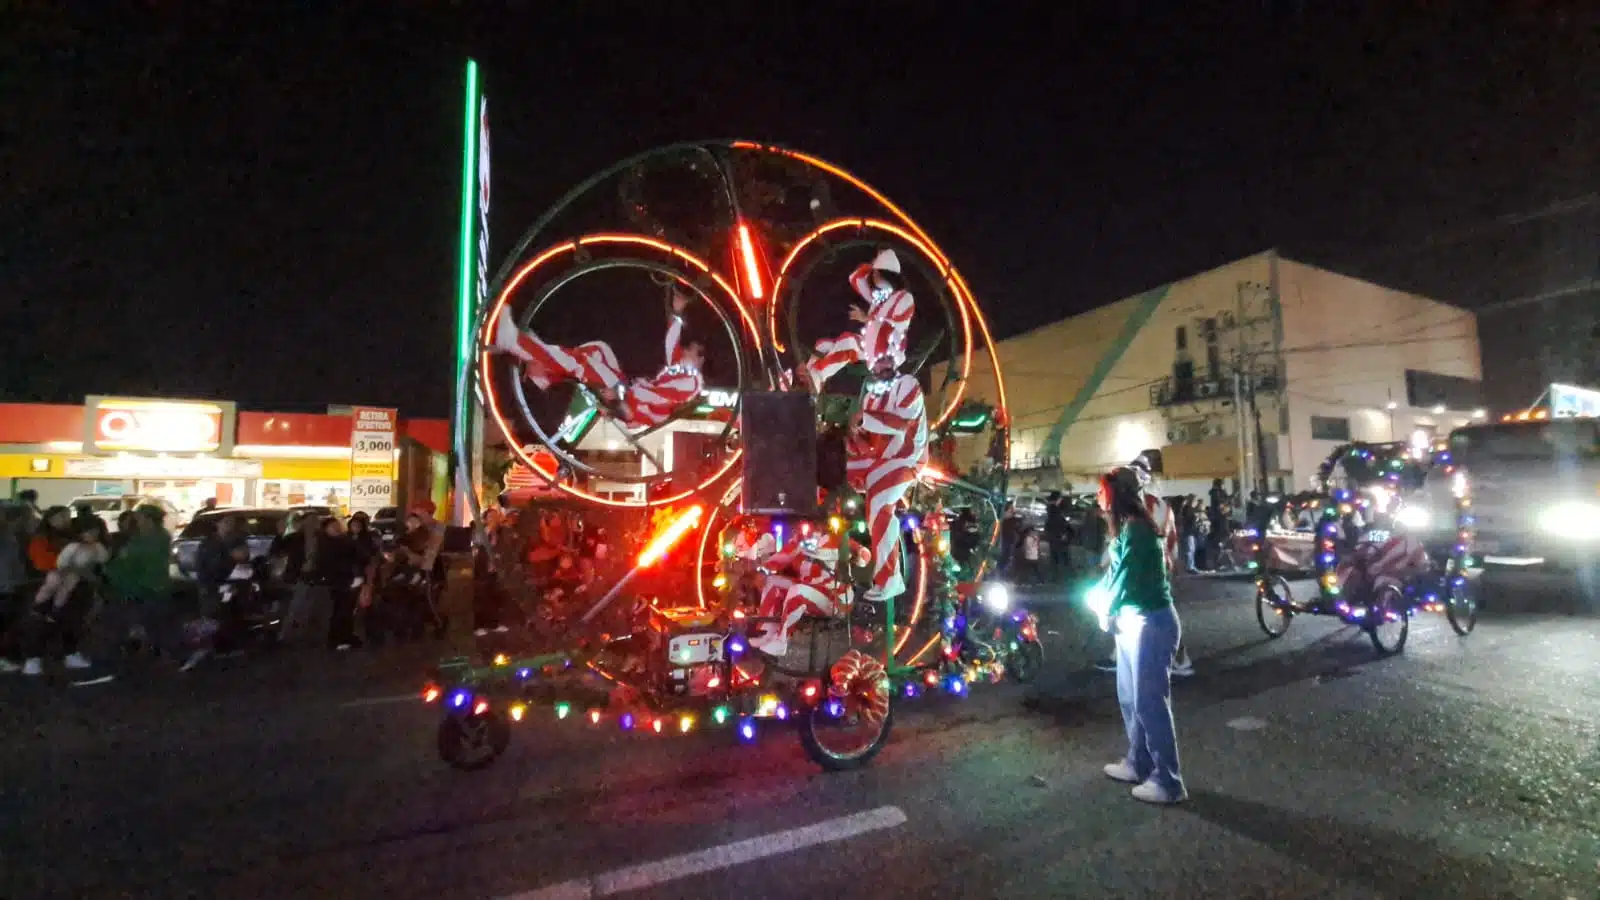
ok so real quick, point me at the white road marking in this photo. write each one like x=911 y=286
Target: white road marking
x=673 y=868
x=1247 y=723
x=381 y=701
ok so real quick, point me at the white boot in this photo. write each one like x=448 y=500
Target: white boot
x=771 y=641
x=34 y=666
x=894 y=588
x=77 y=661
x=506 y=334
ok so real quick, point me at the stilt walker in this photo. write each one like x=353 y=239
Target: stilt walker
x=640 y=404
x=884 y=322
x=887 y=450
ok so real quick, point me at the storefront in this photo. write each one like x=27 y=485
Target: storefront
x=186 y=452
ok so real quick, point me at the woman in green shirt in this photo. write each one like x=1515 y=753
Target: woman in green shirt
x=1147 y=632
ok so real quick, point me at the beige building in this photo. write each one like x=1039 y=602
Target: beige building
x=1264 y=365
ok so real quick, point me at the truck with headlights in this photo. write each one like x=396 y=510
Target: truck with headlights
x=1534 y=489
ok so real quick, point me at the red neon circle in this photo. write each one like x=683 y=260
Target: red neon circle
x=933 y=256
x=875 y=194
x=485 y=340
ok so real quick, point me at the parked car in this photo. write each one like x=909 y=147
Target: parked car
x=298 y=513
x=261 y=527
x=108 y=508
x=388 y=523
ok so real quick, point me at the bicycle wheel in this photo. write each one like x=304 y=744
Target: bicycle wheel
x=1389 y=622
x=1273 y=604
x=1461 y=609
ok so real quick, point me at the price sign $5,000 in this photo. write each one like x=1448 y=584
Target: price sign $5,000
x=371 y=488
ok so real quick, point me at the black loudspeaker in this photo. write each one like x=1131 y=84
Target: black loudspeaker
x=780 y=453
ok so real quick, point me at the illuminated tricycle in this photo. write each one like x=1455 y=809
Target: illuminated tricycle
x=1370 y=571
x=753 y=251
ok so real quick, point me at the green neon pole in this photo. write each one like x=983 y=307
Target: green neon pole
x=466 y=292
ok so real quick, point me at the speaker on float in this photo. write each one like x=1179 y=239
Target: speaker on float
x=779 y=429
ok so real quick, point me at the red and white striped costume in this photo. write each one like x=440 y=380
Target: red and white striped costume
x=594 y=365
x=883 y=463
x=812 y=589
x=1400 y=558
x=884 y=333
x=1166 y=524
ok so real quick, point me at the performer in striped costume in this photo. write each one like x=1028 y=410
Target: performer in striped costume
x=639 y=404
x=813 y=588
x=887 y=450
x=884 y=321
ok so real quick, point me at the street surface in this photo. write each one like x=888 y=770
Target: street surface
x=1461 y=769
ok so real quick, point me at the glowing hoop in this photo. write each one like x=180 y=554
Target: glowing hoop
x=485 y=357
x=947 y=277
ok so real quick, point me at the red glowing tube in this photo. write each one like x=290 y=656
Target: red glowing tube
x=669 y=536
x=752 y=265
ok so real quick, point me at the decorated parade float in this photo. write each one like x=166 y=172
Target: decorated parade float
x=796 y=567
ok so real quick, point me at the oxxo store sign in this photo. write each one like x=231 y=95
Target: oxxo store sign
x=372 y=446
x=129 y=425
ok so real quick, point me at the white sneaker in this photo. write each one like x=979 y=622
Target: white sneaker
x=1150 y=792
x=7 y=667
x=502 y=629
x=77 y=661
x=34 y=666
x=480 y=632
x=1122 y=771
x=195 y=659
x=1181 y=668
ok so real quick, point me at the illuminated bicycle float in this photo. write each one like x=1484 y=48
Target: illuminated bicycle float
x=1353 y=534
x=760 y=597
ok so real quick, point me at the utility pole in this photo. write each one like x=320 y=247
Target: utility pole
x=1241 y=369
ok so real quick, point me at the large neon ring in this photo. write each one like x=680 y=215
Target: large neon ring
x=492 y=401
x=963 y=291
x=946 y=276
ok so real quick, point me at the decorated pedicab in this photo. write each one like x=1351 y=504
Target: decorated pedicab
x=797 y=569
x=1350 y=534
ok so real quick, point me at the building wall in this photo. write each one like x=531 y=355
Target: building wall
x=1316 y=343
x=1047 y=367
x=1371 y=335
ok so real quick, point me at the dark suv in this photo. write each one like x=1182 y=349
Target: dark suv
x=261 y=527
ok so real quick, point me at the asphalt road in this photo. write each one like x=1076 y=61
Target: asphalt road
x=1463 y=769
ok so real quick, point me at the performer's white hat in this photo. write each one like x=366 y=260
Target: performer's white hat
x=887 y=262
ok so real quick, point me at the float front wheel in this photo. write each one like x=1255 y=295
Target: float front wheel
x=474 y=742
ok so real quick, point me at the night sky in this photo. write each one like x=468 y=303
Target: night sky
x=264 y=207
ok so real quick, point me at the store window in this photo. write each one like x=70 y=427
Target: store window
x=284 y=494
x=1330 y=428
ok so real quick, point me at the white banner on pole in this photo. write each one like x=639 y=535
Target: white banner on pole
x=373 y=441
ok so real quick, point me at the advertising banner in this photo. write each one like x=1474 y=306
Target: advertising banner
x=373 y=440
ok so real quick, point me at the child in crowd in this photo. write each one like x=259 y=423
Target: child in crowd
x=78 y=562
